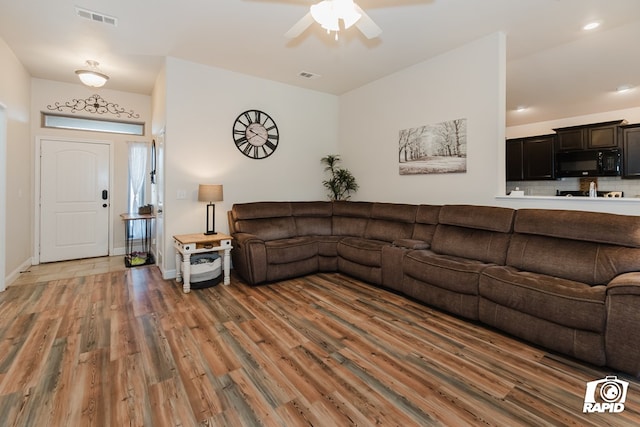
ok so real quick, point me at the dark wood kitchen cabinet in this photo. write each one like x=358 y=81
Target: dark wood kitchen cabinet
x=531 y=158
x=588 y=137
x=514 y=169
x=631 y=151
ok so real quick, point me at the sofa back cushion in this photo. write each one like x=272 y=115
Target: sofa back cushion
x=586 y=262
x=426 y=222
x=312 y=218
x=475 y=232
x=390 y=221
x=587 y=247
x=267 y=220
x=622 y=230
x=350 y=218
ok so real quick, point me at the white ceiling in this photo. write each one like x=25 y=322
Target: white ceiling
x=553 y=66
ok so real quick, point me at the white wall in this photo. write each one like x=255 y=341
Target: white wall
x=15 y=96
x=159 y=102
x=201 y=105
x=468 y=82
x=47 y=92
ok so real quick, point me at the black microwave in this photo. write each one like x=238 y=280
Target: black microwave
x=589 y=163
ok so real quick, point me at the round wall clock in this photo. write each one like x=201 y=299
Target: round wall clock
x=255 y=134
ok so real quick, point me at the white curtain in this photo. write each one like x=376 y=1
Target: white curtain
x=138 y=152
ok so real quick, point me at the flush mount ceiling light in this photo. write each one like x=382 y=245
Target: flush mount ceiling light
x=92 y=76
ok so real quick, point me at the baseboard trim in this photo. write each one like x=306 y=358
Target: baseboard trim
x=13 y=276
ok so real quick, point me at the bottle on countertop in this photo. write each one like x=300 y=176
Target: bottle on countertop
x=593 y=192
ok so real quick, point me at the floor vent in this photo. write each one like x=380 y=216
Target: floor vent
x=96 y=17
x=308 y=75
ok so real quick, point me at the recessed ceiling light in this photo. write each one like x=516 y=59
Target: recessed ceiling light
x=521 y=108
x=591 y=26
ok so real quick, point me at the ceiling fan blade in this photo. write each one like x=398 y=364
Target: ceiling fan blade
x=299 y=27
x=366 y=25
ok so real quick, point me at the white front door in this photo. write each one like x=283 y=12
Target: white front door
x=74 y=200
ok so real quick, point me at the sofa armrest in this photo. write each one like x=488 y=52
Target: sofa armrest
x=622 y=336
x=249 y=257
x=411 y=244
x=625 y=284
x=245 y=238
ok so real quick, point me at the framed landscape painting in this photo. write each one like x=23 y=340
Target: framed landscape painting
x=437 y=148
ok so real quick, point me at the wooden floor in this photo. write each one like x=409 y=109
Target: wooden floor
x=125 y=347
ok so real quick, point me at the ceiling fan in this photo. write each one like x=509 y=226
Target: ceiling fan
x=328 y=14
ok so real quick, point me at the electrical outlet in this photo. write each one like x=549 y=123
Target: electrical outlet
x=182 y=195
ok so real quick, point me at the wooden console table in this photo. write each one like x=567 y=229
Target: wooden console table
x=188 y=244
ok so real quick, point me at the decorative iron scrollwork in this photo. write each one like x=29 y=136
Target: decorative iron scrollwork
x=95 y=104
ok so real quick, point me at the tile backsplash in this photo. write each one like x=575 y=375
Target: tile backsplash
x=629 y=187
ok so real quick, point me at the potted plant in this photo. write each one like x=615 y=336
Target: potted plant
x=341 y=182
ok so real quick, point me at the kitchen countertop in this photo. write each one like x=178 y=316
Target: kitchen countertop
x=576 y=198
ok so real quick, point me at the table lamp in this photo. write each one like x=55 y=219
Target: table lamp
x=210 y=193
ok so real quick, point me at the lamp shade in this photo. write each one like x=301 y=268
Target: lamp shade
x=209 y=193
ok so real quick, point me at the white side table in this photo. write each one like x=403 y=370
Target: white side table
x=188 y=244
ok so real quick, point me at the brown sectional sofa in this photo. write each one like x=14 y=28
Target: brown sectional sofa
x=565 y=280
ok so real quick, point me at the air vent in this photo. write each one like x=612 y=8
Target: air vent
x=96 y=17
x=308 y=75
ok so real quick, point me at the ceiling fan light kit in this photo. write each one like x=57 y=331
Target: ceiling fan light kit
x=92 y=77
x=328 y=14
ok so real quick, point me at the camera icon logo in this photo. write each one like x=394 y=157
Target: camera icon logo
x=605 y=395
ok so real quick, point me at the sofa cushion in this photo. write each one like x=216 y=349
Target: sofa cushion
x=328 y=245
x=426 y=222
x=453 y=273
x=475 y=232
x=268 y=228
x=257 y=210
x=564 y=302
x=362 y=251
x=596 y=227
x=470 y=243
x=390 y=221
x=312 y=218
x=587 y=262
x=266 y=220
x=489 y=218
x=388 y=231
x=411 y=244
x=284 y=251
x=350 y=218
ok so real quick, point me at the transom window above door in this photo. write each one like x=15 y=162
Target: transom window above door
x=59 y=121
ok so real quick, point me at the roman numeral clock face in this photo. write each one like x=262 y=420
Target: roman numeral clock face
x=255 y=134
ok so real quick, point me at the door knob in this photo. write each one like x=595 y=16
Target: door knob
x=105 y=194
